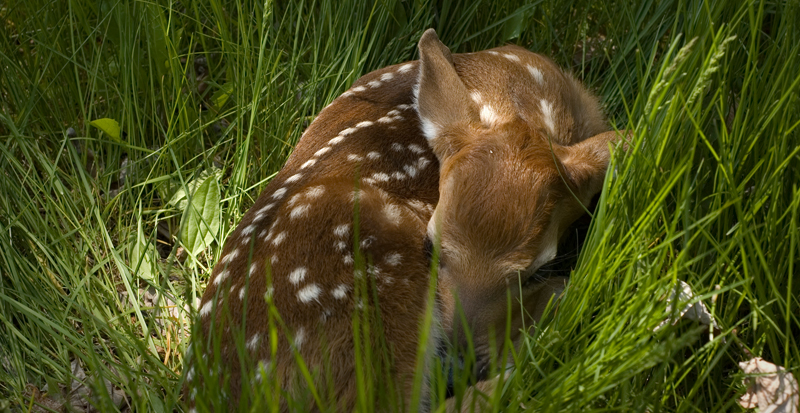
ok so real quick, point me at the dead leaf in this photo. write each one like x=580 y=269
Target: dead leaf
x=770 y=388
x=697 y=311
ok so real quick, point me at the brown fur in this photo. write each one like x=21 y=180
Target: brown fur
x=504 y=200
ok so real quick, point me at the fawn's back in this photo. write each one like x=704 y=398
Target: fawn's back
x=364 y=181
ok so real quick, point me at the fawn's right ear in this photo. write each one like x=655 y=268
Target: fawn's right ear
x=443 y=102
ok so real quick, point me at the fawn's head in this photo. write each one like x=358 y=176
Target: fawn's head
x=507 y=193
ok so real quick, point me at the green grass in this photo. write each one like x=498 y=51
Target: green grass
x=708 y=194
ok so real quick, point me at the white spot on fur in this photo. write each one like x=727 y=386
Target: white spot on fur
x=354 y=157
x=266 y=208
x=393 y=259
x=512 y=57
x=489 y=117
x=369 y=181
x=404 y=106
x=429 y=129
x=309 y=293
x=364 y=124
x=273 y=259
x=374 y=84
x=336 y=140
x=340 y=292
x=221 y=277
x=397 y=147
x=294 y=178
x=242 y=292
x=413 y=147
x=399 y=176
x=340 y=245
x=380 y=177
x=279 y=193
x=393 y=112
x=536 y=73
x=322 y=151
x=476 y=96
x=258 y=217
x=411 y=170
x=386 y=119
x=492 y=52
x=190 y=374
x=422 y=162
x=547 y=112
x=253 y=269
x=299 y=337
x=269 y=293
x=373 y=155
x=392 y=213
x=308 y=163
x=206 y=308
x=248 y=230
x=315 y=192
x=347 y=259
x=405 y=68
x=299 y=211
x=279 y=238
x=359 y=89
x=297 y=275
x=341 y=230
x=386 y=77
x=348 y=131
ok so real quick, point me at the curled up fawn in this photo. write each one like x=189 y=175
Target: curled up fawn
x=481 y=160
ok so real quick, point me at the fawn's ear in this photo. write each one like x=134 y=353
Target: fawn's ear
x=445 y=108
x=586 y=163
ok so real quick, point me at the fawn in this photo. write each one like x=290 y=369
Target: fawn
x=491 y=155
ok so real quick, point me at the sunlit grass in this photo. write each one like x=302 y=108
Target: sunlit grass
x=89 y=222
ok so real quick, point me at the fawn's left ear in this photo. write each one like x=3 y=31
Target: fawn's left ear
x=586 y=163
x=443 y=102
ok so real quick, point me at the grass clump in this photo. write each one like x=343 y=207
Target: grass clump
x=99 y=268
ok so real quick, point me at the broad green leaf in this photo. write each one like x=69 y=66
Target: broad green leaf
x=220 y=97
x=109 y=126
x=142 y=258
x=201 y=219
x=515 y=23
x=177 y=193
